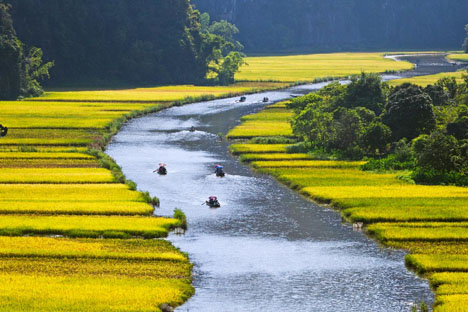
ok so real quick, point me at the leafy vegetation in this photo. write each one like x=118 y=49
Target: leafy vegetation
x=20 y=69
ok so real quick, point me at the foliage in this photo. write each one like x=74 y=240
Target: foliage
x=376 y=138
x=10 y=57
x=180 y=215
x=366 y=91
x=439 y=152
x=229 y=67
x=409 y=112
x=21 y=70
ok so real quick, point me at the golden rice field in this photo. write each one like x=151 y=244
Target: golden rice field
x=423 y=81
x=50 y=186
x=430 y=222
x=458 y=57
x=161 y=94
x=313 y=66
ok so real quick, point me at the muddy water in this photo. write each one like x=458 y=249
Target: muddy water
x=267 y=248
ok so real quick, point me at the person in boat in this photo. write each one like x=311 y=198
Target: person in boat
x=192 y=129
x=266 y=100
x=3 y=131
x=219 y=170
x=213 y=202
x=162 y=169
x=243 y=99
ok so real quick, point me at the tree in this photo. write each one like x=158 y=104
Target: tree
x=439 y=152
x=10 y=57
x=227 y=31
x=229 y=67
x=314 y=126
x=376 y=138
x=449 y=85
x=438 y=95
x=366 y=91
x=34 y=70
x=409 y=112
x=465 y=44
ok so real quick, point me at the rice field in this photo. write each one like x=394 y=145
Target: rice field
x=430 y=222
x=108 y=257
x=458 y=57
x=161 y=94
x=313 y=66
x=59 y=274
x=87 y=226
x=423 y=81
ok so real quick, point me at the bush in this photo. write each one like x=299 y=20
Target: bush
x=431 y=176
x=180 y=215
x=390 y=163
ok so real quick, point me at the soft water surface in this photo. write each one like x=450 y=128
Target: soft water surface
x=267 y=248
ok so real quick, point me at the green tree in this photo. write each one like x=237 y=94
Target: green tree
x=409 y=112
x=366 y=91
x=300 y=103
x=439 y=152
x=229 y=67
x=10 y=57
x=349 y=127
x=376 y=138
x=205 y=20
x=314 y=126
x=227 y=31
x=33 y=71
x=449 y=85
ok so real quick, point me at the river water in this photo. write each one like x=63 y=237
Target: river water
x=267 y=248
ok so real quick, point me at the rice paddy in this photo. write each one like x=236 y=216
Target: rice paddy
x=430 y=222
x=458 y=57
x=108 y=257
x=423 y=81
x=316 y=66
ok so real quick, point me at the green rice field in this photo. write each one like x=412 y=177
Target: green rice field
x=430 y=222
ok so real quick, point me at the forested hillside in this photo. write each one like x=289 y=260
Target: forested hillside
x=114 y=41
x=343 y=25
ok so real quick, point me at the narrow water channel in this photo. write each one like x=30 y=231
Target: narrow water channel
x=267 y=248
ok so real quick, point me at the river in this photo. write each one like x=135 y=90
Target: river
x=267 y=248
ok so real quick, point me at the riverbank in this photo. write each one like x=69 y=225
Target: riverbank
x=427 y=221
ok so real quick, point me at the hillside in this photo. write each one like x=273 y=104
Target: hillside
x=281 y=26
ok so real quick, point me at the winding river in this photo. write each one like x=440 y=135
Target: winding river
x=267 y=248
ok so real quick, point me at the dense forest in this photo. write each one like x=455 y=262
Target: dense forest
x=281 y=26
x=121 y=42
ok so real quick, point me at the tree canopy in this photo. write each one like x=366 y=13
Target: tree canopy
x=20 y=70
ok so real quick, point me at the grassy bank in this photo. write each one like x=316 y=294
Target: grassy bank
x=431 y=222
x=55 y=182
x=316 y=66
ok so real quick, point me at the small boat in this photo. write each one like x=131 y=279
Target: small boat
x=219 y=171
x=213 y=202
x=243 y=99
x=161 y=170
x=266 y=100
